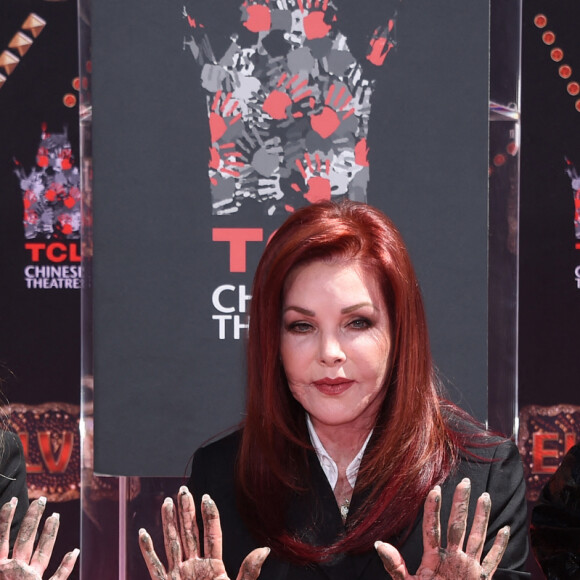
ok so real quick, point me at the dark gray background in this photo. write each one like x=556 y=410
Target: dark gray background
x=164 y=383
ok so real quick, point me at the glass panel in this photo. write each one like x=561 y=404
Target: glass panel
x=114 y=508
x=504 y=167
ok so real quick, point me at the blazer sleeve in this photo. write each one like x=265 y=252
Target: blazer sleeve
x=13 y=479
x=507 y=489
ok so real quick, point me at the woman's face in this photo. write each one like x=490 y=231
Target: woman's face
x=336 y=342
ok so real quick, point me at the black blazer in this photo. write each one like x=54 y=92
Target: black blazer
x=501 y=475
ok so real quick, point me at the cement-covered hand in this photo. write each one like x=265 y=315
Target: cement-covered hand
x=452 y=562
x=28 y=562
x=181 y=536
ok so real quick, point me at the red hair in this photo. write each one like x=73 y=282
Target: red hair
x=412 y=447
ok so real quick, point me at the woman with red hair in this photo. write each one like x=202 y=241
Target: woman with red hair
x=347 y=434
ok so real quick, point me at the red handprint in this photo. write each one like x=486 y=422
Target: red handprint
x=278 y=102
x=382 y=41
x=29 y=198
x=328 y=121
x=42 y=157
x=218 y=114
x=30 y=217
x=66 y=222
x=66 y=159
x=74 y=196
x=313 y=174
x=256 y=15
x=225 y=159
x=56 y=192
x=315 y=25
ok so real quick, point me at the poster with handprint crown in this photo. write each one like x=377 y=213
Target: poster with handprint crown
x=212 y=122
x=289 y=111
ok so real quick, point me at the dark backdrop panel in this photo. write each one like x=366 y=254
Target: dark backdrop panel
x=164 y=380
x=40 y=325
x=549 y=361
x=550 y=251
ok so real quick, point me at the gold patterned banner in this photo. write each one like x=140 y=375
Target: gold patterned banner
x=545 y=435
x=51 y=440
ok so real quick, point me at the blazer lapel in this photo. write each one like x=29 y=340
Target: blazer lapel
x=316 y=519
x=314 y=515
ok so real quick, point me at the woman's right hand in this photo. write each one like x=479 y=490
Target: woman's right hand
x=451 y=563
x=182 y=544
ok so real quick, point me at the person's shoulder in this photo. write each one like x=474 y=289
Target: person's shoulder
x=221 y=449
x=11 y=452
x=213 y=465
x=492 y=447
x=474 y=440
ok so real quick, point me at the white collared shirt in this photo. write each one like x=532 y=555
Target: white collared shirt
x=328 y=464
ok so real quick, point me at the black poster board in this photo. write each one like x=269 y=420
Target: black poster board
x=165 y=282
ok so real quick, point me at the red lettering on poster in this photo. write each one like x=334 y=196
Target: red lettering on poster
x=30 y=467
x=540 y=453
x=53 y=464
x=73 y=253
x=55 y=252
x=35 y=250
x=237 y=238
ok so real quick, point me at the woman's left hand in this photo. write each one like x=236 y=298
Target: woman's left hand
x=28 y=563
x=451 y=563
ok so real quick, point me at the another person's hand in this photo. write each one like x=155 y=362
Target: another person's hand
x=182 y=544
x=26 y=562
x=451 y=563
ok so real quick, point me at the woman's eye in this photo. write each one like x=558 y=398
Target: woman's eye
x=360 y=324
x=299 y=327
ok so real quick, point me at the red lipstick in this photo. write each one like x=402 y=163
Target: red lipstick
x=336 y=386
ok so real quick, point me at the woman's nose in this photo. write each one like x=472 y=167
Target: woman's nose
x=331 y=350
